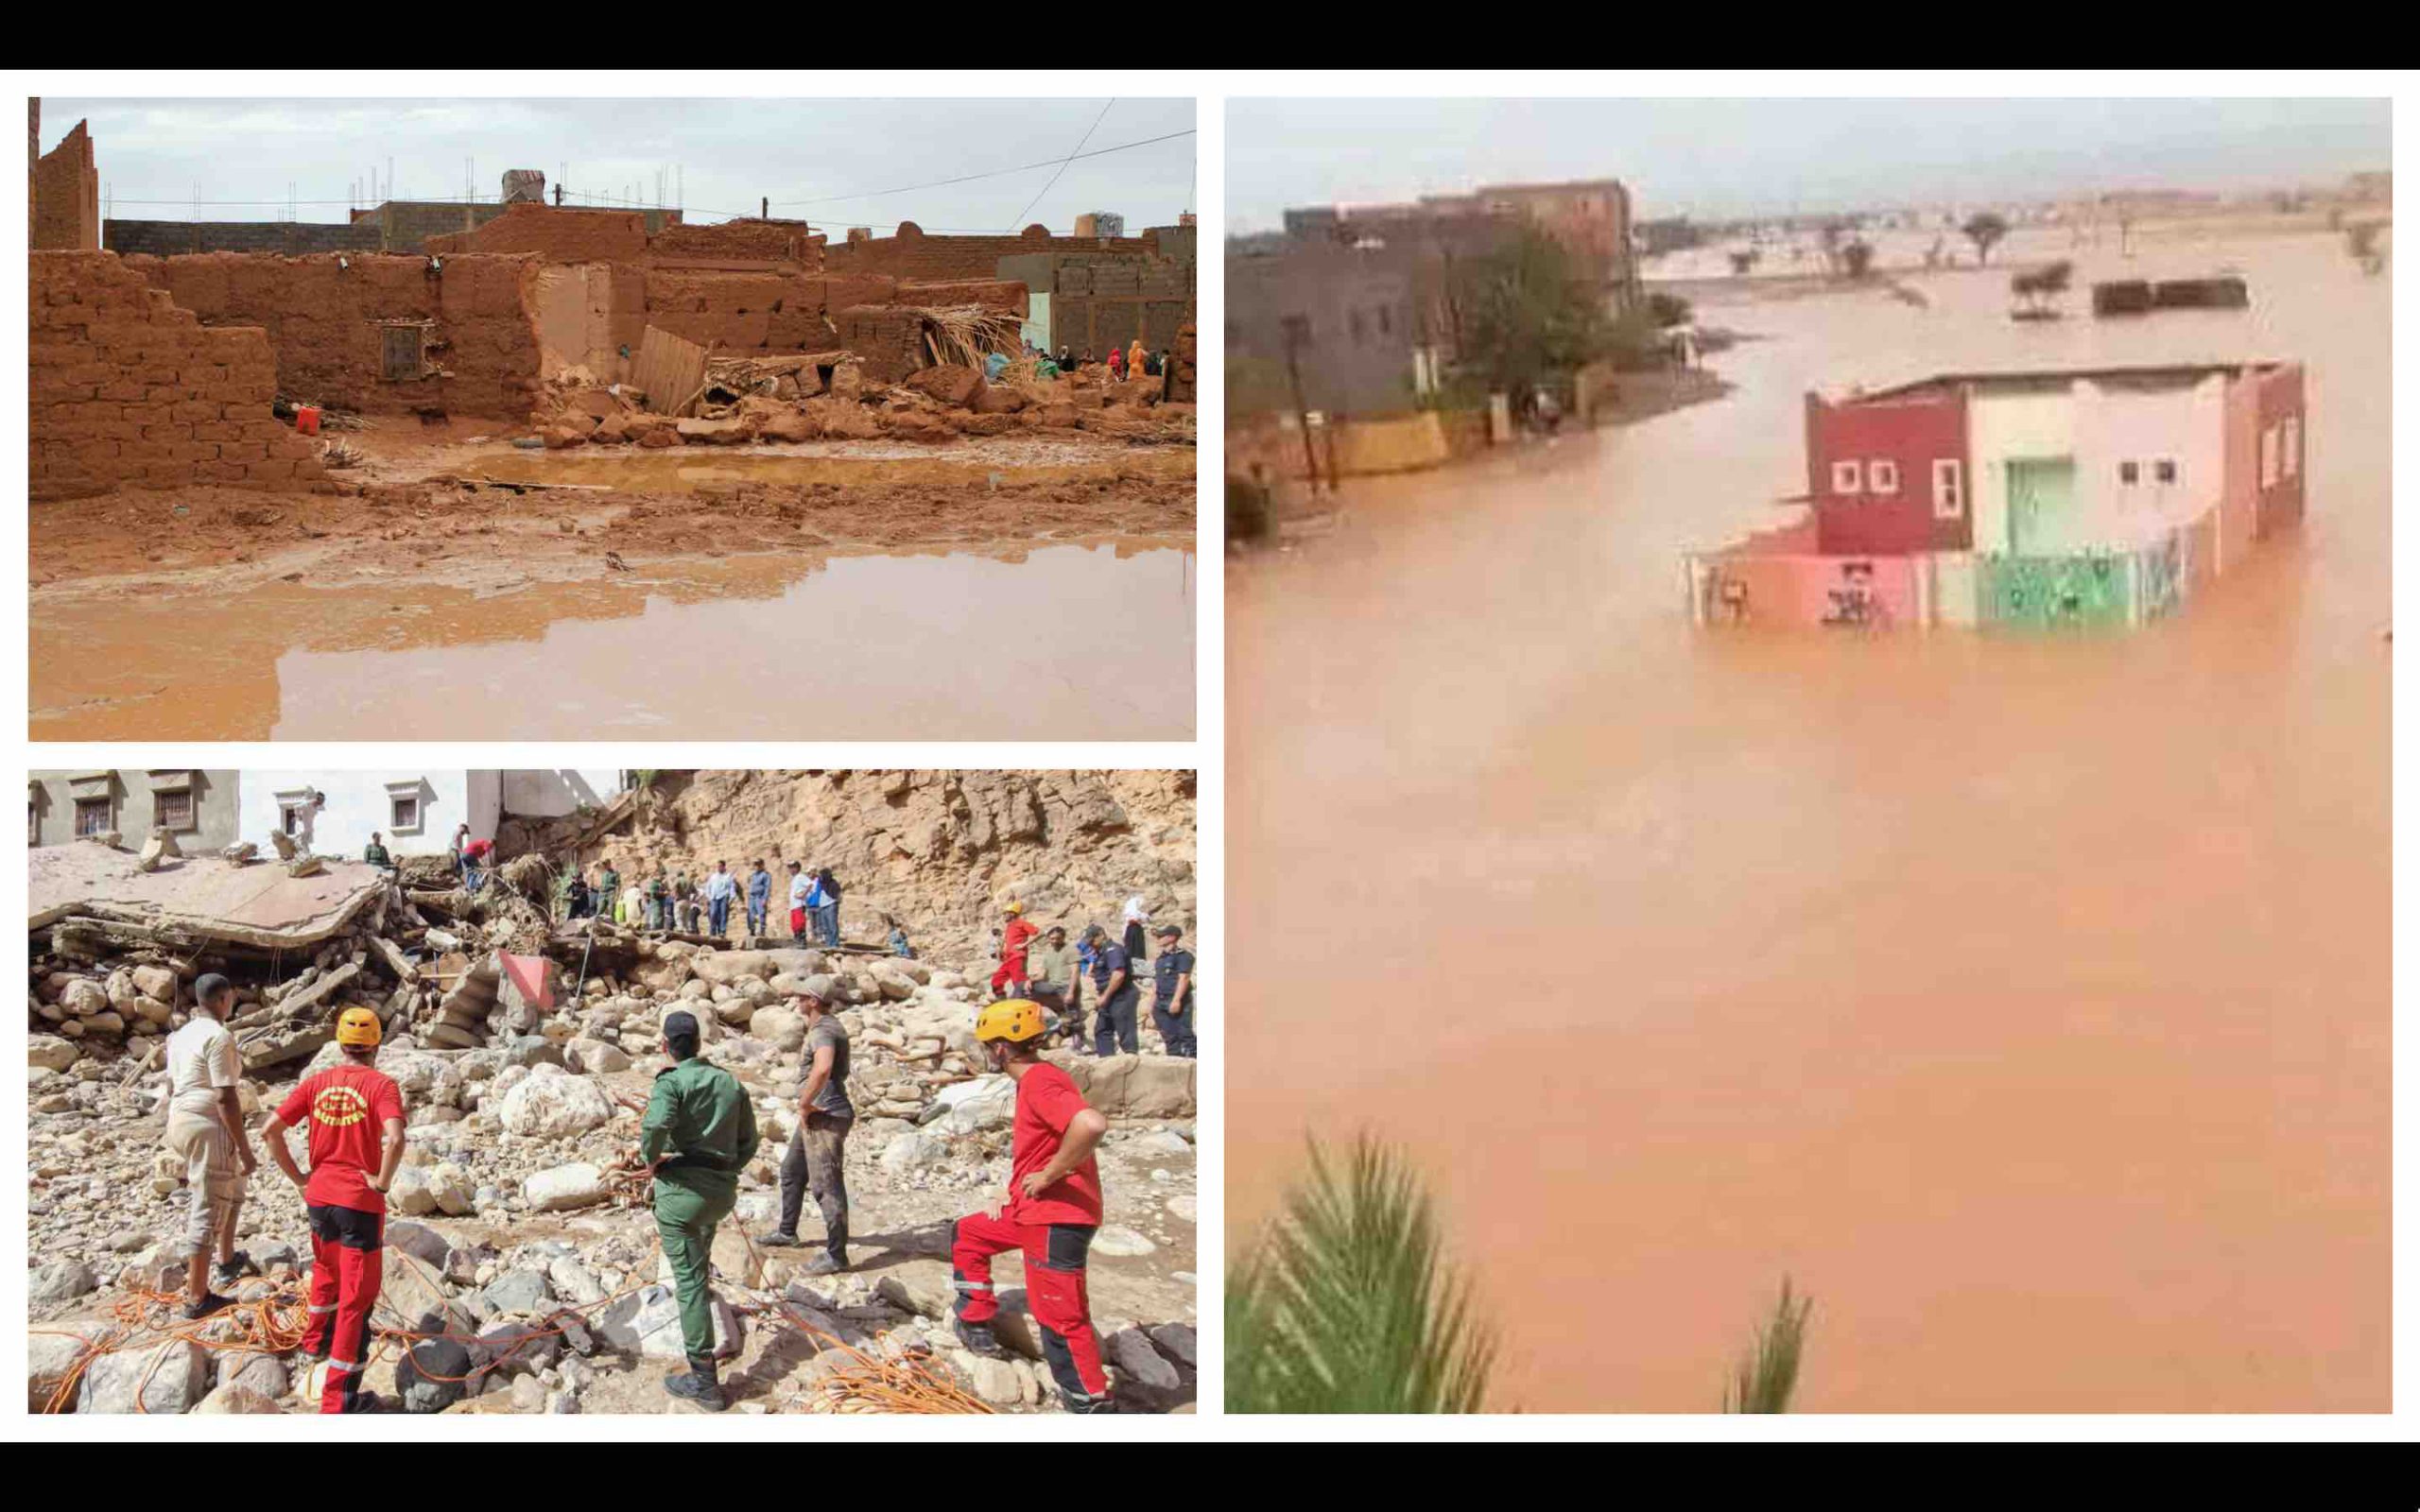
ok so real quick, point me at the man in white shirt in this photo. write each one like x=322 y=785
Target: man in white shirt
x=206 y=1128
x=801 y=884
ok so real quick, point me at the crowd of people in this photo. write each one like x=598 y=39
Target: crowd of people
x=673 y=901
x=1126 y=363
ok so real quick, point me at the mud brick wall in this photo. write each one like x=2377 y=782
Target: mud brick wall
x=757 y=311
x=1004 y=295
x=322 y=324
x=889 y=340
x=178 y=239
x=911 y=254
x=128 y=391
x=67 y=197
x=753 y=241
x=558 y=235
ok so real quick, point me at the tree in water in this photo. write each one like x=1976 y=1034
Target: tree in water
x=1768 y=1373
x=1985 y=231
x=1345 y=1303
x=1529 y=318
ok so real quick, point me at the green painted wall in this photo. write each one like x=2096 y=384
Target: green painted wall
x=2046 y=591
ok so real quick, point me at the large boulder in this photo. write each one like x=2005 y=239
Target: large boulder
x=170 y=1377
x=648 y=1322
x=550 y=1104
x=563 y=1187
x=972 y=1107
x=725 y=967
x=1133 y=1086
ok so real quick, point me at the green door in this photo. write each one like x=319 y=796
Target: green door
x=2041 y=492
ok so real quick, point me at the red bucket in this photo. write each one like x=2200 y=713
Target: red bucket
x=306 y=420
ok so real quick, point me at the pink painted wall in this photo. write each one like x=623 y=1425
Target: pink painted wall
x=1810 y=590
x=1910 y=431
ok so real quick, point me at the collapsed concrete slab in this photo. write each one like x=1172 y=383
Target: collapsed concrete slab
x=204 y=897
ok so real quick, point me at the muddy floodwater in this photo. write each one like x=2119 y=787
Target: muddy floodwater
x=1091 y=642
x=2024 y=998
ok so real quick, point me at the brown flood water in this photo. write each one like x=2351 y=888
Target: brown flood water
x=2024 y=999
x=1063 y=642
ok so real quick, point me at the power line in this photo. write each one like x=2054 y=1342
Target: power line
x=996 y=173
x=1062 y=165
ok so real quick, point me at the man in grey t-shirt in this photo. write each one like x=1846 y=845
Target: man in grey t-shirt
x=825 y=1115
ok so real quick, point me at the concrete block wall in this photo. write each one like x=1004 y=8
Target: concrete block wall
x=183 y=238
x=131 y=391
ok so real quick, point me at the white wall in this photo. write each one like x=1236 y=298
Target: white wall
x=2011 y=425
x=2184 y=426
x=546 y=795
x=358 y=802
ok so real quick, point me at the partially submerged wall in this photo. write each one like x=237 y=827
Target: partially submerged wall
x=324 y=318
x=129 y=389
x=67 y=197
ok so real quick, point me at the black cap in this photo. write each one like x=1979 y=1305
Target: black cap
x=1168 y=932
x=680 y=1025
x=206 y=987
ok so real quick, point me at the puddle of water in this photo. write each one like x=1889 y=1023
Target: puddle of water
x=2026 y=999
x=1066 y=642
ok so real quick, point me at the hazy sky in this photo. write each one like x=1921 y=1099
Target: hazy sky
x=1720 y=157
x=836 y=152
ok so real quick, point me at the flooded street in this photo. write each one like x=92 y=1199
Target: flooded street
x=2024 y=998
x=1017 y=589
x=844 y=647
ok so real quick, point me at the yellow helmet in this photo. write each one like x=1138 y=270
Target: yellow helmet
x=357 y=1026
x=1016 y=908
x=1014 y=1020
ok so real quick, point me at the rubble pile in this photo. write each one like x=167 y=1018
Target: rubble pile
x=827 y=397
x=518 y=1240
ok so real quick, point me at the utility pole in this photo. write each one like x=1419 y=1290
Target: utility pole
x=1296 y=329
x=765 y=207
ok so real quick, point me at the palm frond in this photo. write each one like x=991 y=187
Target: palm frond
x=1768 y=1373
x=1346 y=1302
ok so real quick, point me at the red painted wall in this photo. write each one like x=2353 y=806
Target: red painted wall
x=1910 y=431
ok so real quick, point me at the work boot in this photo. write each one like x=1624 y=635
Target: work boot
x=1096 y=1407
x=210 y=1302
x=365 y=1401
x=780 y=1239
x=234 y=1268
x=977 y=1338
x=699 y=1385
x=828 y=1263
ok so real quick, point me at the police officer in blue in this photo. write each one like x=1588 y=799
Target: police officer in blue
x=1172 y=992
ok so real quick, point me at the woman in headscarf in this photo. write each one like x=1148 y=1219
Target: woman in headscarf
x=1135 y=359
x=1136 y=920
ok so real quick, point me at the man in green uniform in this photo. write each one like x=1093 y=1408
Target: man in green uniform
x=609 y=890
x=700 y=1133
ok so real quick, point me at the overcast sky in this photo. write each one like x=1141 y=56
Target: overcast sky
x=732 y=151
x=1726 y=157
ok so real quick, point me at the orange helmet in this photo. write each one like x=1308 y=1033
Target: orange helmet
x=357 y=1026
x=1014 y=1020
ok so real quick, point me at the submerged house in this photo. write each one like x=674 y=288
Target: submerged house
x=2097 y=496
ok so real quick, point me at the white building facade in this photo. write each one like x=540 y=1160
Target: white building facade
x=333 y=812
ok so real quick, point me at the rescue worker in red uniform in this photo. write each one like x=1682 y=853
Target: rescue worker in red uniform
x=356 y=1141
x=1052 y=1212
x=1015 y=936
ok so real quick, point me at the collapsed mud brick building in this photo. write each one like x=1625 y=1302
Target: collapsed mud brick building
x=477 y=319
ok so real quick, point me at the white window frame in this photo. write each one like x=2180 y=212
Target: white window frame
x=2130 y=473
x=2290 y=445
x=415 y=792
x=2175 y=473
x=2268 y=458
x=1949 y=488
x=1848 y=478
x=1882 y=478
